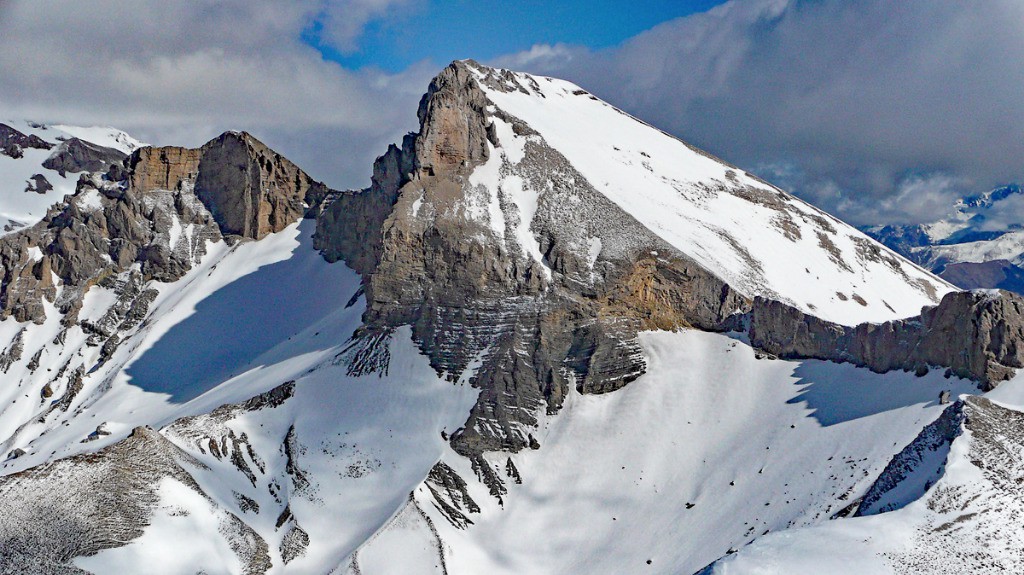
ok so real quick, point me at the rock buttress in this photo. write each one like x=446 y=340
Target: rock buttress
x=533 y=321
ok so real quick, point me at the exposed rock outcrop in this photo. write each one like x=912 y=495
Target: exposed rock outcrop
x=105 y=228
x=450 y=495
x=912 y=471
x=544 y=301
x=84 y=504
x=13 y=142
x=38 y=184
x=156 y=209
x=74 y=155
x=251 y=190
x=968 y=527
x=977 y=335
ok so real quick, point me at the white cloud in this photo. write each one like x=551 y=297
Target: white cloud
x=842 y=101
x=343 y=21
x=856 y=93
x=180 y=73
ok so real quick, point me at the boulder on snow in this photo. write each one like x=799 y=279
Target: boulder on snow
x=38 y=184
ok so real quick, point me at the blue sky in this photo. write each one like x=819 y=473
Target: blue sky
x=442 y=31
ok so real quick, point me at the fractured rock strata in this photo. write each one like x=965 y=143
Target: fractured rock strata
x=540 y=320
x=976 y=335
x=156 y=209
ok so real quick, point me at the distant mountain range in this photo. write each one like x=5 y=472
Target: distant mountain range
x=973 y=247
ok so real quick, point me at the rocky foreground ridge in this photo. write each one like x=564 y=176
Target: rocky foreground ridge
x=155 y=209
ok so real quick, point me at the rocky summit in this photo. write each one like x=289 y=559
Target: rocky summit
x=547 y=338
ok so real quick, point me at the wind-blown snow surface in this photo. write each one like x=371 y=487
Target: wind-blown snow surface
x=361 y=443
x=967 y=522
x=709 y=450
x=19 y=208
x=757 y=238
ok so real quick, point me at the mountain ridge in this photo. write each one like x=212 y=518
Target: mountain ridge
x=465 y=353
x=972 y=247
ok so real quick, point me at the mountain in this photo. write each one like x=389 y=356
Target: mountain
x=974 y=247
x=40 y=164
x=547 y=338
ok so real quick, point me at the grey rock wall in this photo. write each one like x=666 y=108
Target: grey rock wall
x=472 y=294
x=976 y=335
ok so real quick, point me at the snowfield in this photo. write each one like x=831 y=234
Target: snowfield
x=738 y=227
x=708 y=451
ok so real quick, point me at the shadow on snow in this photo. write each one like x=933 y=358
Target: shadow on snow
x=237 y=323
x=839 y=392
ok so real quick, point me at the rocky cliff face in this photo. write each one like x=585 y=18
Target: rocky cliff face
x=976 y=335
x=251 y=190
x=156 y=210
x=541 y=301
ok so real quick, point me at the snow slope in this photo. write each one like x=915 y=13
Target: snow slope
x=757 y=238
x=709 y=450
x=966 y=522
x=19 y=208
x=364 y=442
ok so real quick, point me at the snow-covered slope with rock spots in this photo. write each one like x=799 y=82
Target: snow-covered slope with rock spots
x=708 y=451
x=963 y=519
x=20 y=208
x=759 y=239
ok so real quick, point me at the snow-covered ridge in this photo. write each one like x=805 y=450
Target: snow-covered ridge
x=958 y=511
x=754 y=236
x=20 y=208
x=100 y=135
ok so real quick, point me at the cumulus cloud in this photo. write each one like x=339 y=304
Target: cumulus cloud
x=881 y=111
x=341 y=23
x=180 y=73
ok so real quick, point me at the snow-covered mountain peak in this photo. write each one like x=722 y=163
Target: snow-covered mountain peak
x=978 y=243
x=757 y=238
x=506 y=336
